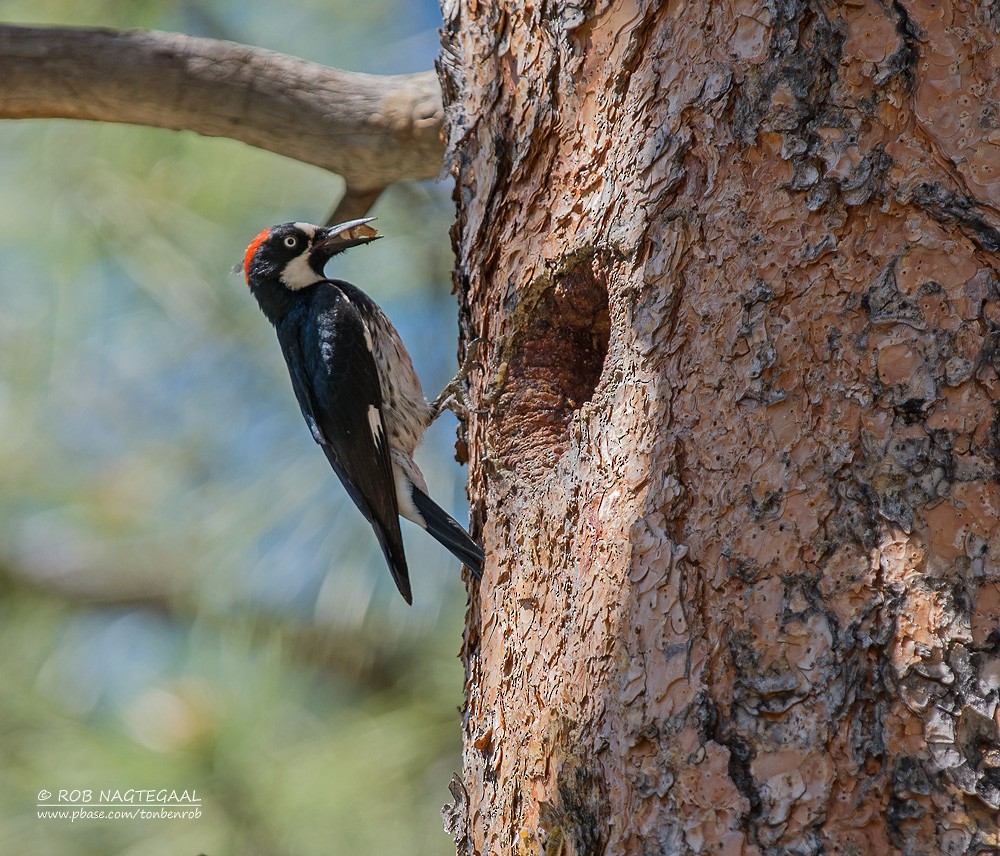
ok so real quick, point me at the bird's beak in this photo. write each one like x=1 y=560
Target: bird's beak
x=335 y=239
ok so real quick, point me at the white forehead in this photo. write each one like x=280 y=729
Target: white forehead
x=308 y=228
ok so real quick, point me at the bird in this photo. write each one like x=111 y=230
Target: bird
x=355 y=384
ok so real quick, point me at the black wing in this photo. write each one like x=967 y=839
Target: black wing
x=333 y=372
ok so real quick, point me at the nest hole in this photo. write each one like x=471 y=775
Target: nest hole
x=557 y=362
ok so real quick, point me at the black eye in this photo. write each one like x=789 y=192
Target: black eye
x=291 y=242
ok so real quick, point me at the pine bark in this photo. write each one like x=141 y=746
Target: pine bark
x=738 y=469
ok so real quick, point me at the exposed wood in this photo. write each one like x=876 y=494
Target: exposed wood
x=374 y=130
x=743 y=585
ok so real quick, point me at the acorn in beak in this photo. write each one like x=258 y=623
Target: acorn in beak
x=335 y=239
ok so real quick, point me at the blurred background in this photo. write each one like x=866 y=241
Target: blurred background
x=187 y=598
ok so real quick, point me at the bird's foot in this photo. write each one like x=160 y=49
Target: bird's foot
x=454 y=396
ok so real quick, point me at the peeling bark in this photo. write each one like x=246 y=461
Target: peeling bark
x=738 y=472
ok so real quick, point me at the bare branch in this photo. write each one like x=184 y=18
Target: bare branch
x=374 y=130
x=353 y=204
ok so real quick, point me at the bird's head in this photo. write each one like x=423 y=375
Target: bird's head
x=292 y=256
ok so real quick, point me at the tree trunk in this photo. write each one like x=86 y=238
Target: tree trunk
x=737 y=473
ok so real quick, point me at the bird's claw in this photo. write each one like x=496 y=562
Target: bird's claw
x=454 y=396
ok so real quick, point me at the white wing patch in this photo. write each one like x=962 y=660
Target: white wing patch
x=375 y=422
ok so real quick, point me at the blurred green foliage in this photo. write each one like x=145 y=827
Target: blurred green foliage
x=187 y=598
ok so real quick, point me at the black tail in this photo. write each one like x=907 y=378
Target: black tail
x=449 y=533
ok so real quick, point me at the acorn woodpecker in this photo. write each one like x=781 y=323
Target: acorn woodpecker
x=354 y=382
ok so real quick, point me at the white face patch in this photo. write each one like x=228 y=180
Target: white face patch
x=297 y=273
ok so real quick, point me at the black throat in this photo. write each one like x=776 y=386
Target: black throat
x=275 y=300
